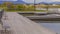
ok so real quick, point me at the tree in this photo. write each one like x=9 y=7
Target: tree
x=7 y=4
x=21 y=7
x=30 y=8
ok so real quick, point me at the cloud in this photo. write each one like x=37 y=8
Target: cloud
x=32 y=1
x=29 y=1
x=37 y=1
x=56 y=0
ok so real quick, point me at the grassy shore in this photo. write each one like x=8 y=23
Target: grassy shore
x=26 y=10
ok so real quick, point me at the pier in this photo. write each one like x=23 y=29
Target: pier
x=18 y=24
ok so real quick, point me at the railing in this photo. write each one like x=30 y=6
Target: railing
x=5 y=28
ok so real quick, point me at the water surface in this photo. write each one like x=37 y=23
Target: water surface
x=51 y=25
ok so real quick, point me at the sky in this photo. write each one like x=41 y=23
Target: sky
x=8 y=0
x=37 y=1
x=32 y=1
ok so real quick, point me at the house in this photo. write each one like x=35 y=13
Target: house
x=55 y=5
x=40 y=7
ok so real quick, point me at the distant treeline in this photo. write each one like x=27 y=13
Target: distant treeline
x=10 y=6
x=24 y=7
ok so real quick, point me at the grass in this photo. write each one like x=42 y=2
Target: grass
x=29 y=11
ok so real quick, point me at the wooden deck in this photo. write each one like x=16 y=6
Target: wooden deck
x=18 y=24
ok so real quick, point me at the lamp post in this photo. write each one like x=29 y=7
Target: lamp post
x=56 y=33
x=34 y=5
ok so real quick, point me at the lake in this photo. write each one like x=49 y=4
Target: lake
x=51 y=25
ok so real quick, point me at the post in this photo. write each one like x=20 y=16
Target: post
x=1 y=14
x=56 y=33
x=34 y=5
